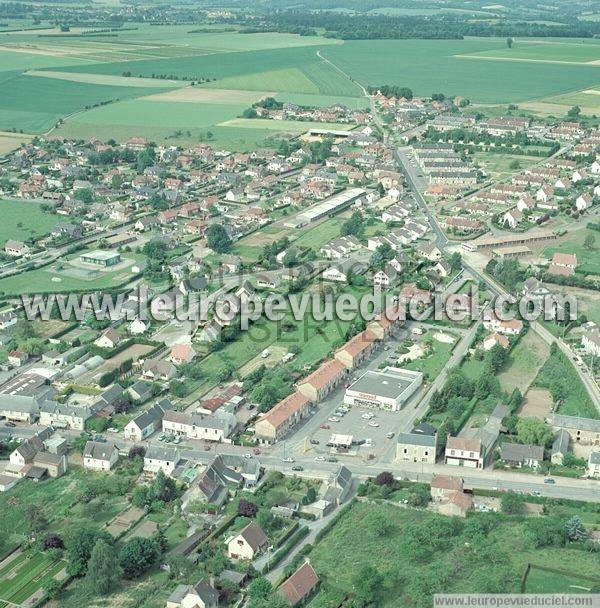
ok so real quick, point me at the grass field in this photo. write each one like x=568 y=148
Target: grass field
x=26 y=575
x=421 y=553
x=67 y=278
x=433 y=364
x=22 y=220
x=588 y=260
x=498 y=166
x=524 y=362
x=578 y=52
x=544 y=581
x=287 y=126
x=35 y=104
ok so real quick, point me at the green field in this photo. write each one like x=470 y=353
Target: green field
x=420 y=554
x=551 y=51
x=66 y=278
x=588 y=260
x=432 y=364
x=35 y=104
x=25 y=575
x=544 y=581
x=24 y=220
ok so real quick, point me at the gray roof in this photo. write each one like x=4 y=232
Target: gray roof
x=99 y=450
x=156 y=452
x=574 y=422
x=202 y=589
x=19 y=403
x=63 y=409
x=388 y=383
x=428 y=441
x=151 y=416
x=520 y=452
x=594 y=458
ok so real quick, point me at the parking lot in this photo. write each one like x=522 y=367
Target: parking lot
x=371 y=434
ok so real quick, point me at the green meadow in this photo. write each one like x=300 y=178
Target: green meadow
x=23 y=220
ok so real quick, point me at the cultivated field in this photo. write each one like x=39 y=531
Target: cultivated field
x=23 y=576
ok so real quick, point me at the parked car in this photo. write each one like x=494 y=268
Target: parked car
x=256 y=451
x=297 y=467
x=549 y=480
x=314 y=441
x=390 y=435
x=289 y=459
x=324 y=426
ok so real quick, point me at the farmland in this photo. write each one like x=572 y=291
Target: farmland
x=57 y=77
x=24 y=575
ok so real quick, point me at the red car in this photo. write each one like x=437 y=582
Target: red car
x=256 y=451
x=324 y=426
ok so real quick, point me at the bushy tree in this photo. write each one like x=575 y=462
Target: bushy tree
x=104 y=572
x=137 y=556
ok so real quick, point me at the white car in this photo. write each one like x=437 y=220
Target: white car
x=333 y=419
x=367 y=416
x=320 y=458
x=289 y=460
x=247 y=455
x=373 y=423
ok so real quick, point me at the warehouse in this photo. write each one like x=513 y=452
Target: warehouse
x=387 y=389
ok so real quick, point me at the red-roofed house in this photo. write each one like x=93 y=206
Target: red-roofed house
x=358 y=349
x=300 y=585
x=323 y=380
x=285 y=415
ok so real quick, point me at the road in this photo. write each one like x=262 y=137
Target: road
x=442 y=242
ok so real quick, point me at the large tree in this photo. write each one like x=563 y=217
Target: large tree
x=104 y=572
x=137 y=556
x=218 y=239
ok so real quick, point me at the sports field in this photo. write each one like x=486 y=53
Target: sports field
x=25 y=575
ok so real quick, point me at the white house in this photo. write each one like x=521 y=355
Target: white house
x=146 y=423
x=138 y=327
x=109 y=339
x=100 y=456
x=200 y=595
x=584 y=201
x=248 y=543
x=158 y=458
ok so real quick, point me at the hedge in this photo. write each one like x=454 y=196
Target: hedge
x=280 y=555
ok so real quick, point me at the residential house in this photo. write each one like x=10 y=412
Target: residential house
x=585 y=431
x=250 y=541
x=158 y=369
x=418 y=445
x=590 y=341
x=563 y=264
x=326 y=378
x=158 y=458
x=300 y=585
x=16 y=249
x=276 y=423
x=593 y=467
x=358 y=349
x=464 y=452
x=63 y=415
x=146 y=423
x=522 y=455
x=560 y=447
x=200 y=595
x=182 y=353
x=100 y=456
x=108 y=339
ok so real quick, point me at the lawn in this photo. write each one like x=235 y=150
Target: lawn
x=432 y=364
x=25 y=220
x=498 y=166
x=544 y=581
x=289 y=126
x=588 y=260
x=420 y=554
x=67 y=278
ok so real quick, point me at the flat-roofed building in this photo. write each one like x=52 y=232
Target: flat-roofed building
x=387 y=389
x=99 y=257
